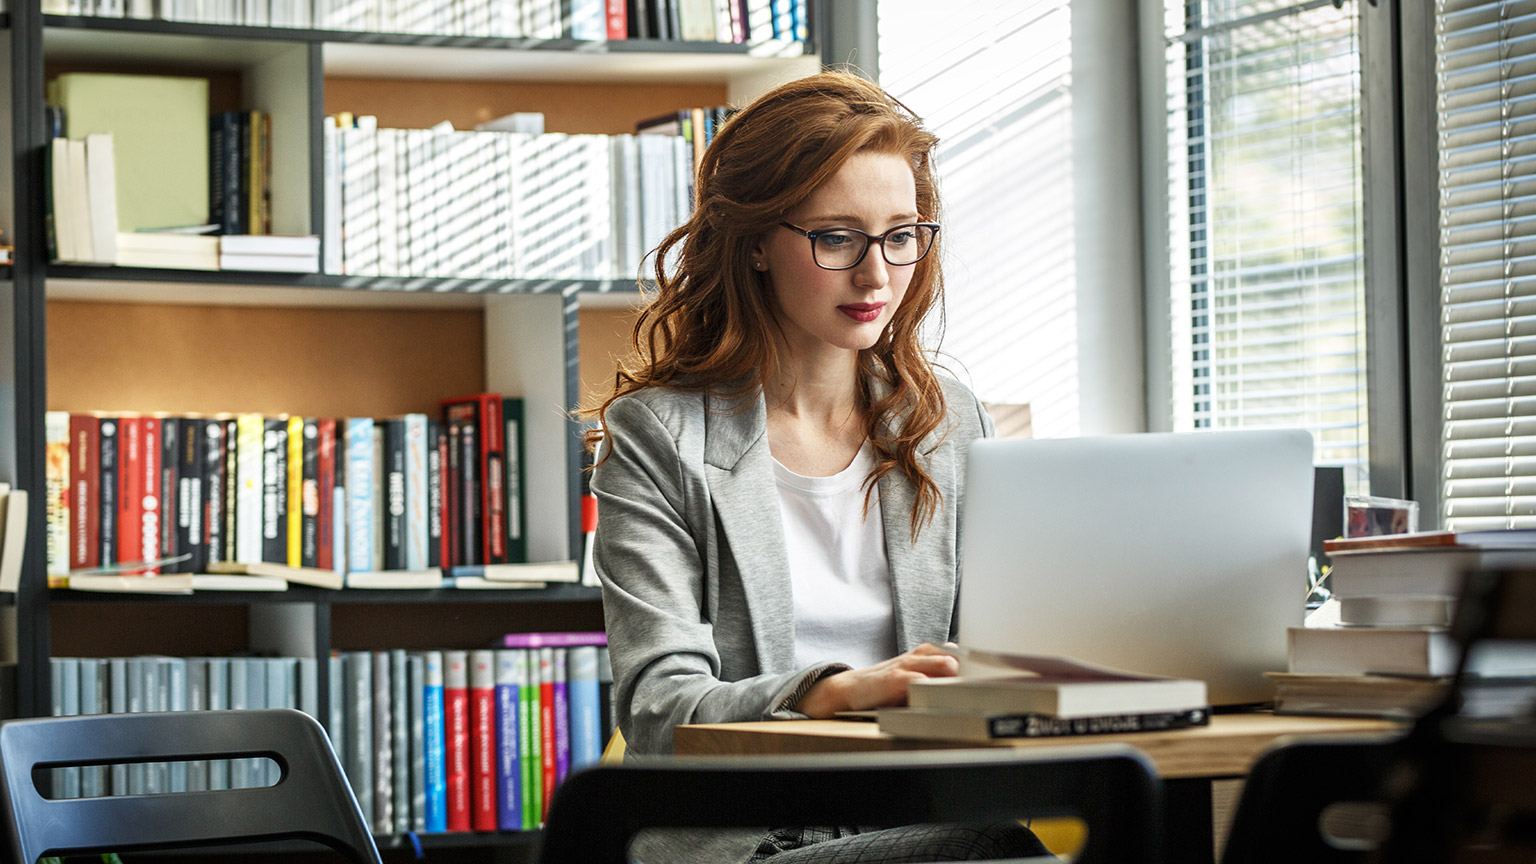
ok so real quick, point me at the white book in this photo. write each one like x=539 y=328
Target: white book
x=379 y=505
x=658 y=182
x=331 y=178
x=101 y=194
x=416 y=491
x=270 y=263
x=80 y=203
x=56 y=440
x=431 y=577
x=292 y=245
x=589 y=21
x=359 y=202
x=388 y=168
x=248 y=466
x=360 y=483
x=63 y=194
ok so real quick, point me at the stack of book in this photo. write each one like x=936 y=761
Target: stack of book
x=365 y=503
x=1381 y=645
x=1018 y=696
x=270 y=252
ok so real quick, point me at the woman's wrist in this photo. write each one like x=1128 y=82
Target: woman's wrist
x=825 y=698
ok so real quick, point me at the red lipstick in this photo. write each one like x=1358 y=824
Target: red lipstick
x=862 y=312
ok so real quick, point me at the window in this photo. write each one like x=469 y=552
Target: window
x=1485 y=83
x=1265 y=238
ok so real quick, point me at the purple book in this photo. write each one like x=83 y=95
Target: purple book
x=562 y=718
x=554 y=640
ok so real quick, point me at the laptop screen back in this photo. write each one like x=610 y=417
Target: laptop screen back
x=1181 y=555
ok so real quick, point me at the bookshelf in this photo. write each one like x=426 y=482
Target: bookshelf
x=91 y=337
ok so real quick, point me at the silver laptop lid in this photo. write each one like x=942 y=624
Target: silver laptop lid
x=1181 y=555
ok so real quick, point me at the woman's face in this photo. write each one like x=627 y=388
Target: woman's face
x=841 y=310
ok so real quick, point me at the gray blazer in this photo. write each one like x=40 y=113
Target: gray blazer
x=690 y=550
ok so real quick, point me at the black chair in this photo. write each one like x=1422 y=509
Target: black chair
x=1456 y=780
x=312 y=800
x=1113 y=788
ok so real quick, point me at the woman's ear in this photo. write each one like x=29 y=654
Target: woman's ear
x=759 y=257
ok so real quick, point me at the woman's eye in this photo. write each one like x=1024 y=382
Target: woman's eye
x=834 y=240
x=900 y=238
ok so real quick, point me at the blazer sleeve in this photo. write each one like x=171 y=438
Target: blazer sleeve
x=666 y=665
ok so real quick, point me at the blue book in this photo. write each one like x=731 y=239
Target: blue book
x=359 y=494
x=509 y=769
x=586 y=715
x=436 y=769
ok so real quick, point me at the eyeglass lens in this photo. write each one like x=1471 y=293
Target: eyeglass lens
x=841 y=249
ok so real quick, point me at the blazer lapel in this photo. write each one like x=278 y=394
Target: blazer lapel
x=739 y=470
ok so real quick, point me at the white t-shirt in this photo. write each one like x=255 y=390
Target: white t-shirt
x=838 y=568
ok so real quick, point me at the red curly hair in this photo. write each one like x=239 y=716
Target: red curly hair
x=710 y=323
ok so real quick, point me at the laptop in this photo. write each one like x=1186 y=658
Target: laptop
x=1171 y=554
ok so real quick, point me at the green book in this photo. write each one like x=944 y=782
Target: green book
x=160 y=130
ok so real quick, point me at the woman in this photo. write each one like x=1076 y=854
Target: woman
x=780 y=478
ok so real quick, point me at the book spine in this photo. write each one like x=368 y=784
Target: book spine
x=435 y=498
x=336 y=701
x=383 y=741
x=108 y=491
x=85 y=498
x=617 y=20
x=528 y=749
x=249 y=489
x=509 y=791
x=493 y=501
x=482 y=714
x=168 y=482
x=291 y=513
x=562 y=717
x=149 y=513
x=416 y=693
x=400 y=739
x=130 y=497
x=515 y=480
x=394 y=490
x=379 y=504
x=274 y=490
x=218 y=700
x=56 y=444
x=325 y=489
x=231 y=477
x=547 y=756
x=453 y=542
x=358 y=666
x=214 y=475
x=1040 y=726
x=359 y=495
x=417 y=493
x=586 y=719
x=456 y=732
x=469 y=492
x=436 y=771
x=191 y=508
x=307 y=503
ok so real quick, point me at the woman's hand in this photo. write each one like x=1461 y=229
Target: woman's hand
x=883 y=684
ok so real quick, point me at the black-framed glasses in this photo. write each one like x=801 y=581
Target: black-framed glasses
x=844 y=248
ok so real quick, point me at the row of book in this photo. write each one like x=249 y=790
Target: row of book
x=468 y=740
x=431 y=741
x=161 y=494
x=753 y=21
x=439 y=202
x=1381 y=644
x=119 y=685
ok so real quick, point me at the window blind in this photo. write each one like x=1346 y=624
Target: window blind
x=1265 y=234
x=1486 y=112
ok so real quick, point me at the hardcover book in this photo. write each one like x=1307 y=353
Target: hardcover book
x=941 y=724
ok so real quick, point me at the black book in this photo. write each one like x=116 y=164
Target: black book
x=231 y=487
x=454 y=520
x=435 y=469
x=309 y=483
x=274 y=490
x=394 y=494
x=939 y=723
x=190 y=511
x=214 y=477
x=469 y=492
x=639 y=24
x=226 y=205
x=107 y=530
x=170 y=471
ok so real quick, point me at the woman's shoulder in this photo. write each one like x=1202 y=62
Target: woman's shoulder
x=674 y=409
x=965 y=411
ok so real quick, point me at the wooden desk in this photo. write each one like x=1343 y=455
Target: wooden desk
x=1188 y=759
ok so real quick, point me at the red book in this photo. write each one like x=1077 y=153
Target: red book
x=493 y=465
x=84 y=494
x=445 y=554
x=618 y=20
x=130 y=496
x=482 y=751
x=547 y=725
x=151 y=512
x=456 y=733
x=326 y=488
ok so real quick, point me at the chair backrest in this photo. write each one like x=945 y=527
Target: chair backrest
x=1113 y=788
x=1284 y=813
x=311 y=801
